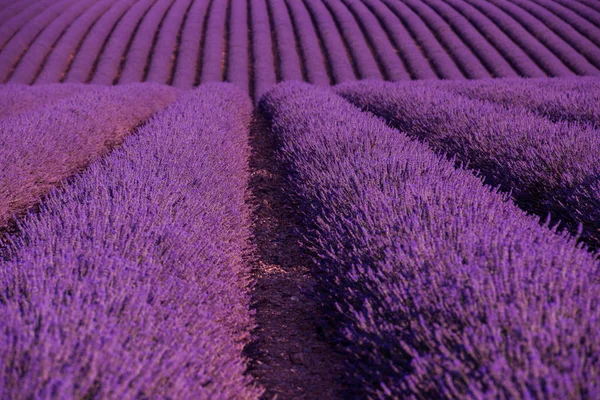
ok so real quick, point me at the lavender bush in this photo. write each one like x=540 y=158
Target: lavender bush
x=130 y=281
x=443 y=289
x=84 y=62
x=544 y=164
x=41 y=148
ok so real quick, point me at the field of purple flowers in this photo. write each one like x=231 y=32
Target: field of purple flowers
x=197 y=196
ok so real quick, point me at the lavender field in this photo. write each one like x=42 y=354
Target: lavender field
x=299 y=199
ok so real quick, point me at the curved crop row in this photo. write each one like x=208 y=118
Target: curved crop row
x=264 y=75
x=130 y=283
x=20 y=42
x=363 y=56
x=489 y=56
x=416 y=63
x=166 y=49
x=560 y=99
x=19 y=99
x=379 y=41
x=29 y=65
x=83 y=65
x=118 y=43
x=185 y=75
x=238 y=60
x=288 y=57
x=544 y=164
x=213 y=52
x=41 y=148
x=341 y=62
x=12 y=23
x=58 y=60
x=443 y=289
x=308 y=42
x=189 y=42
x=140 y=51
x=549 y=38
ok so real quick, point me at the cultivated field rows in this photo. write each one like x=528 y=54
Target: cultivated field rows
x=255 y=44
x=452 y=236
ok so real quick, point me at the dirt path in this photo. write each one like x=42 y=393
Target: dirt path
x=290 y=357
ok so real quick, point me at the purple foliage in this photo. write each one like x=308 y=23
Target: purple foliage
x=18 y=44
x=490 y=57
x=113 y=51
x=30 y=64
x=263 y=59
x=582 y=25
x=213 y=53
x=413 y=57
x=568 y=33
x=130 y=282
x=546 y=59
x=84 y=62
x=464 y=58
x=164 y=54
x=548 y=37
x=560 y=99
x=383 y=50
x=541 y=162
x=41 y=148
x=338 y=56
x=582 y=10
x=363 y=56
x=140 y=52
x=11 y=25
x=19 y=99
x=513 y=53
x=443 y=288
x=308 y=43
x=444 y=66
x=189 y=49
x=237 y=52
x=58 y=60
x=288 y=59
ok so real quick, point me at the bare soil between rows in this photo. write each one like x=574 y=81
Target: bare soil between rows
x=290 y=355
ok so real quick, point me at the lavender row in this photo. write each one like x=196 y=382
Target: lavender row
x=464 y=58
x=562 y=31
x=362 y=55
x=83 y=65
x=549 y=167
x=237 y=52
x=443 y=289
x=165 y=51
x=309 y=46
x=189 y=49
x=511 y=51
x=414 y=59
x=382 y=48
x=14 y=49
x=213 y=53
x=32 y=61
x=288 y=57
x=570 y=99
x=12 y=24
x=264 y=75
x=41 y=148
x=338 y=56
x=489 y=56
x=140 y=51
x=108 y=64
x=19 y=99
x=441 y=61
x=130 y=282
x=57 y=62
